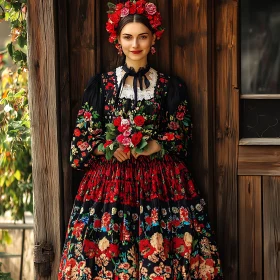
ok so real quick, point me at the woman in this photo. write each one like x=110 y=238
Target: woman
x=137 y=214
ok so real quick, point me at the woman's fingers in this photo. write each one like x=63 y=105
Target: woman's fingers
x=120 y=155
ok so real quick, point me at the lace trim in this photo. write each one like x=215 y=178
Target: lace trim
x=146 y=94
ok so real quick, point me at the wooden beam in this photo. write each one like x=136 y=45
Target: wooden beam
x=43 y=91
x=259 y=160
x=189 y=39
x=227 y=132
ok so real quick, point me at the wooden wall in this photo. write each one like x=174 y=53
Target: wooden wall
x=201 y=46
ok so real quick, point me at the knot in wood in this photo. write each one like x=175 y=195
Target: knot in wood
x=43 y=253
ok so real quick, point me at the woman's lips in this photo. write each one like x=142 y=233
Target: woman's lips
x=136 y=52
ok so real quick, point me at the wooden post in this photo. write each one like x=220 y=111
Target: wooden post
x=43 y=102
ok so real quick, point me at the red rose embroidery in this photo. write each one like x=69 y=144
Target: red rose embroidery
x=180 y=116
x=146 y=248
x=81 y=112
x=173 y=125
x=83 y=146
x=169 y=136
x=91 y=249
x=77 y=132
x=136 y=138
x=139 y=120
x=87 y=116
x=109 y=86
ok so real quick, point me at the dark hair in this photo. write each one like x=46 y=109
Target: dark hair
x=134 y=18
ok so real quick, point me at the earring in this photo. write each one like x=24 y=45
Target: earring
x=119 y=48
x=153 y=50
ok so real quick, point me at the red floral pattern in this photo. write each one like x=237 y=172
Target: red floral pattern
x=141 y=219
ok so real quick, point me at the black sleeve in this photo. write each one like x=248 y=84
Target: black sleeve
x=89 y=130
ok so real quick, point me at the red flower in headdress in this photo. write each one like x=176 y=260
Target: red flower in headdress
x=131 y=7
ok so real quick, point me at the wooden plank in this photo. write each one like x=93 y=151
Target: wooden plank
x=162 y=60
x=259 y=160
x=42 y=88
x=65 y=111
x=260 y=96
x=189 y=52
x=250 y=227
x=259 y=142
x=227 y=131
x=83 y=63
x=271 y=227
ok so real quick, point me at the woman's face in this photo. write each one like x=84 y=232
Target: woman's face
x=136 y=40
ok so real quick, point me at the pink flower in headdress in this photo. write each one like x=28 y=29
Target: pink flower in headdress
x=124 y=12
x=150 y=8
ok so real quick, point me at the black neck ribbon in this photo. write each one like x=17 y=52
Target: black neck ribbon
x=137 y=77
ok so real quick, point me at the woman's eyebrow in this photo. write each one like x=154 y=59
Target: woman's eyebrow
x=138 y=34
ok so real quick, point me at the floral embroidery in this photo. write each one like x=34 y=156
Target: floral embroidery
x=87 y=135
x=141 y=219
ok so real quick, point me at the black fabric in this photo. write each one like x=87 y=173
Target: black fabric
x=94 y=95
x=137 y=77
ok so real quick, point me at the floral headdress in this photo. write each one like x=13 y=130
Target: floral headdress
x=132 y=7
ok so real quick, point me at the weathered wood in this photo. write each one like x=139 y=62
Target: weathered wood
x=250 y=227
x=44 y=127
x=260 y=96
x=227 y=132
x=259 y=142
x=65 y=113
x=162 y=58
x=189 y=61
x=259 y=160
x=83 y=63
x=271 y=227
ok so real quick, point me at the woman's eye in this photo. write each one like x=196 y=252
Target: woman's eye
x=144 y=37
x=127 y=37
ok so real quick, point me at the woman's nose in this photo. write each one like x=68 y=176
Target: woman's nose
x=135 y=43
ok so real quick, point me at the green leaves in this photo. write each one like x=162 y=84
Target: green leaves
x=16 y=193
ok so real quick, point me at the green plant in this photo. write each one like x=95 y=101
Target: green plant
x=4 y=276
x=15 y=156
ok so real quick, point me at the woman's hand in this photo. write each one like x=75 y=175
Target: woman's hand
x=96 y=152
x=120 y=155
x=152 y=147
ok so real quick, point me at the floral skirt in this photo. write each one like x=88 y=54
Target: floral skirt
x=140 y=219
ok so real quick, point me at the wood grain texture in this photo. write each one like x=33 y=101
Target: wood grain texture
x=42 y=88
x=189 y=61
x=227 y=132
x=259 y=142
x=65 y=110
x=259 y=160
x=271 y=227
x=83 y=63
x=250 y=227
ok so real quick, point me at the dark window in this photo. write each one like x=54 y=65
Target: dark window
x=260 y=46
x=261 y=119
